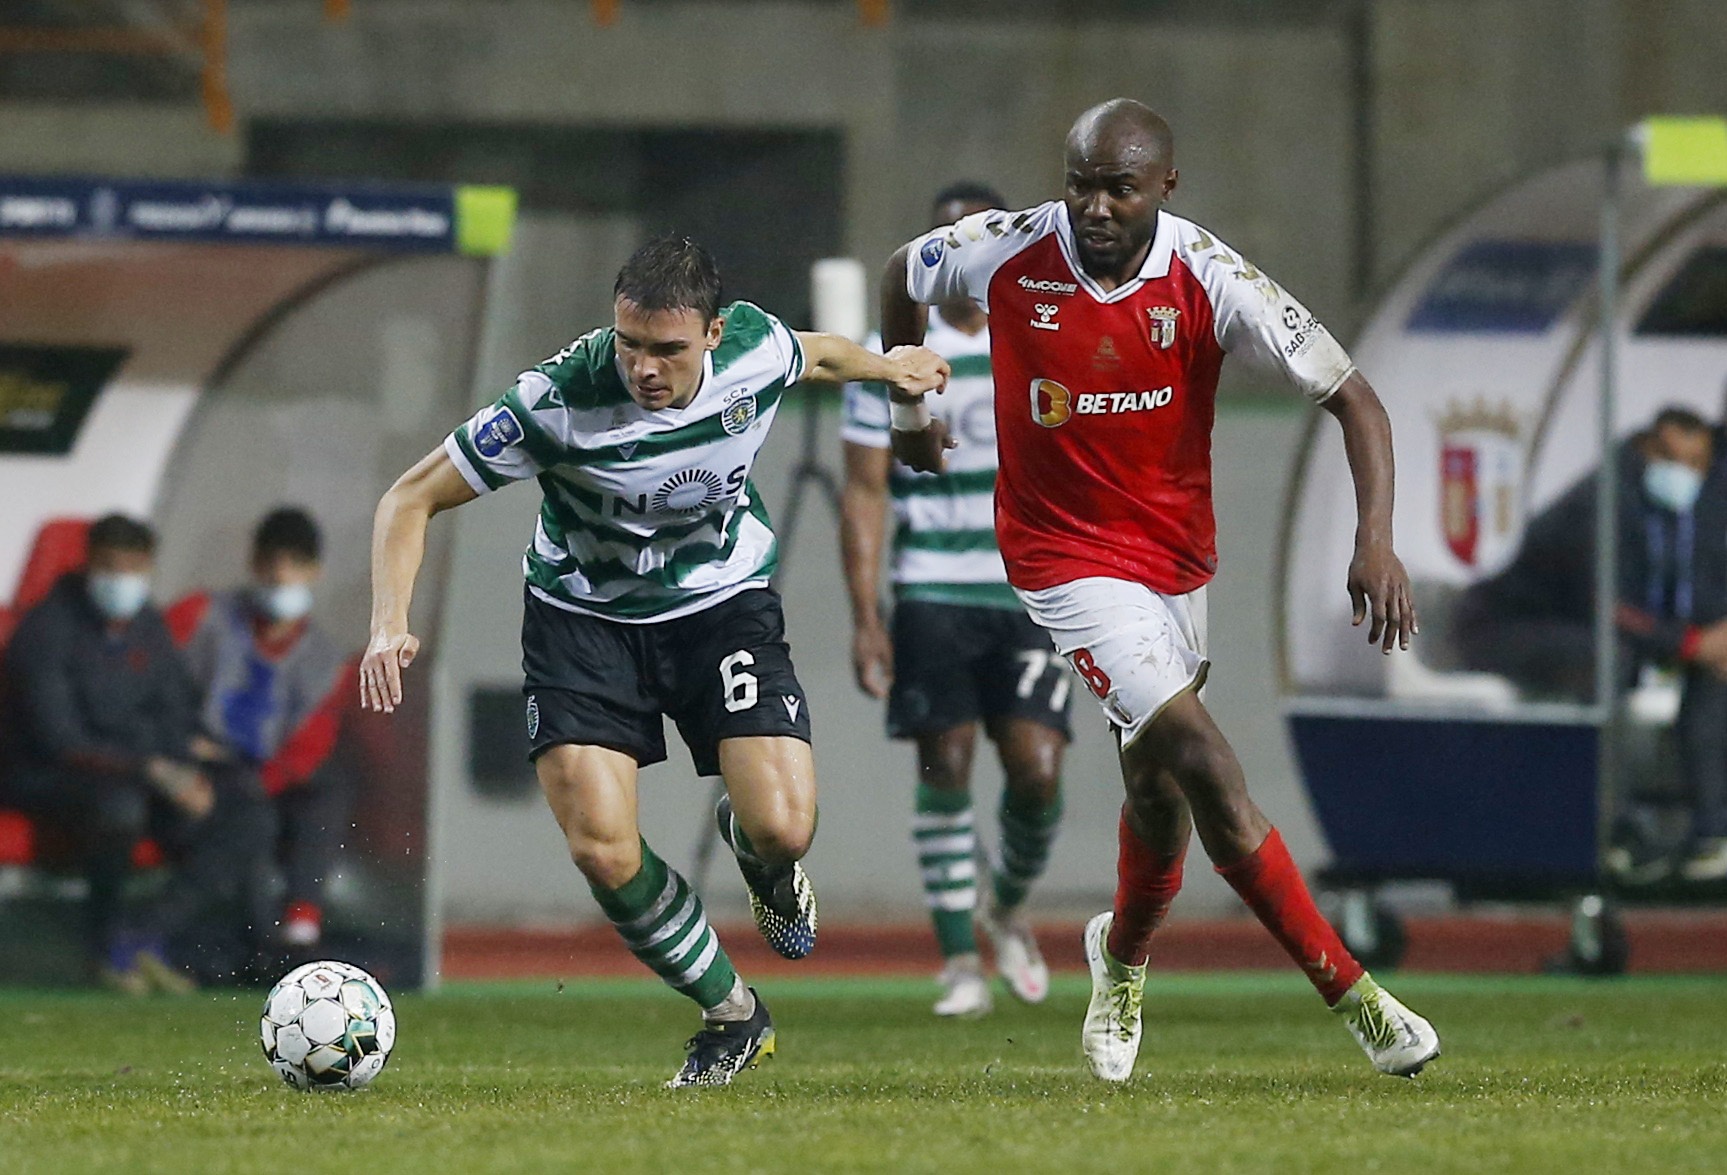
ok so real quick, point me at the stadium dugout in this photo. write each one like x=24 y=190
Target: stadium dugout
x=1488 y=352
x=197 y=353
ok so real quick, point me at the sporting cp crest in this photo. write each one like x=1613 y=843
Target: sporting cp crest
x=1480 y=482
x=739 y=414
x=1163 y=325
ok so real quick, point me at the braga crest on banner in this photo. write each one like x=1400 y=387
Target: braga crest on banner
x=1481 y=467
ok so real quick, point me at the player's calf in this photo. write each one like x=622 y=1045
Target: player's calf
x=782 y=900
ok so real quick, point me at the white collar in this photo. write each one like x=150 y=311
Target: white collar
x=1156 y=258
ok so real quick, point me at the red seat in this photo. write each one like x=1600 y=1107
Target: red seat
x=62 y=545
x=17 y=839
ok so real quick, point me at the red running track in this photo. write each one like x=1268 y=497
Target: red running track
x=1661 y=942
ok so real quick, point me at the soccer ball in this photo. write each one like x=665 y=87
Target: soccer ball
x=327 y=1025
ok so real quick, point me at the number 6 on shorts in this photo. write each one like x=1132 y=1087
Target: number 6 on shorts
x=740 y=687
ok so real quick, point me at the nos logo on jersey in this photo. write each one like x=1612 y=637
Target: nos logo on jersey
x=738 y=415
x=496 y=433
x=1051 y=403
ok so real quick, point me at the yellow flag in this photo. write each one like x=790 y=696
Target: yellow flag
x=1684 y=151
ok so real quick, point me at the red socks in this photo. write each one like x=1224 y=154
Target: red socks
x=1145 y=884
x=1267 y=881
x=1270 y=884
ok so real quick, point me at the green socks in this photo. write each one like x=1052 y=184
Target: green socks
x=1027 y=830
x=661 y=921
x=947 y=858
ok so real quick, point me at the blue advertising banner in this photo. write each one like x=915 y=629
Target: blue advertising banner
x=1513 y=287
x=474 y=220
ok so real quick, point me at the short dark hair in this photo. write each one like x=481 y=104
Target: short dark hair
x=287 y=530
x=1682 y=419
x=120 y=532
x=969 y=192
x=671 y=273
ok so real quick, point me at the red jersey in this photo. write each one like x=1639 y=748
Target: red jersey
x=1104 y=401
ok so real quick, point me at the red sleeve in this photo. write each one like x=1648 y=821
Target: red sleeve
x=309 y=746
x=185 y=615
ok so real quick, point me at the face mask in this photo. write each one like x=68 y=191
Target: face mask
x=1672 y=484
x=284 y=601
x=119 y=596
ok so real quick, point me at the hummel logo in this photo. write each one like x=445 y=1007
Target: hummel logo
x=1324 y=970
x=628 y=449
x=1045 y=312
x=792 y=705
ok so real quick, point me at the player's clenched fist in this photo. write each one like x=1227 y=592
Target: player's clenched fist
x=381 y=670
x=917 y=370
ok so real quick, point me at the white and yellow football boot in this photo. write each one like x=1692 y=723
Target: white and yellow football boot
x=1112 y=1021
x=1395 y=1039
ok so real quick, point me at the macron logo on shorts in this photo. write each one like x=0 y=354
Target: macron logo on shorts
x=792 y=705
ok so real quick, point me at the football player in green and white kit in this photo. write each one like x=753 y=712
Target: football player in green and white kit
x=647 y=595
x=962 y=650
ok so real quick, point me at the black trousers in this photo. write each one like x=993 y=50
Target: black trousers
x=1702 y=734
x=1557 y=658
x=214 y=861
x=309 y=824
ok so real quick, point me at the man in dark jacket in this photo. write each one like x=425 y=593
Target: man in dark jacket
x=1534 y=621
x=105 y=747
x=274 y=687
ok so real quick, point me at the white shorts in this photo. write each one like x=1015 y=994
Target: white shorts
x=1134 y=648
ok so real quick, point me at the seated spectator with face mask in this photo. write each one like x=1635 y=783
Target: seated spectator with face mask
x=1534 y=621
x=105 y=751
x=273 y=685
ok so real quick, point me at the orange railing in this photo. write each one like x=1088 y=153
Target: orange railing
x=206 y=40
x=203 y=38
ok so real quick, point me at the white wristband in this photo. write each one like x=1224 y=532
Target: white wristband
x=912 y=417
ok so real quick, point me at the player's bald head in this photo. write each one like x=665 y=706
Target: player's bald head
x=1121 y=131
x=1120 y=170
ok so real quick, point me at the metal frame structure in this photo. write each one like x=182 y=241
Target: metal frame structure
x=203 y=39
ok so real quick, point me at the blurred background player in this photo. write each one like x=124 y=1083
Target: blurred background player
x=106 y=750
x=273 y=686
x=648 y=595
x=1109 y=322
x=962 y=649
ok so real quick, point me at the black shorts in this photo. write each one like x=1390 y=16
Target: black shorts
x=956 y=663
x=723 y=672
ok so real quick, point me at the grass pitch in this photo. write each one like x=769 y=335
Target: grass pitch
x=1238 y=1073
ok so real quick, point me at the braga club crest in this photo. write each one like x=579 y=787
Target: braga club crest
x=1480 y=482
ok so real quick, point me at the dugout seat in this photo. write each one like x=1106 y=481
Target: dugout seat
x=61 y=546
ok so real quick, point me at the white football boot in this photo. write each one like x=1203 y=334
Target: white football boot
x=965 y=992
x=1017 y=957
x=1396 y=1040
x=1112 y=1021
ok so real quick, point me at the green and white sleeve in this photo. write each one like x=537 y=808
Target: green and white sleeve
x=496 y=445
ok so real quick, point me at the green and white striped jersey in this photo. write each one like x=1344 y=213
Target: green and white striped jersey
x=944 y=541
x=646 y=515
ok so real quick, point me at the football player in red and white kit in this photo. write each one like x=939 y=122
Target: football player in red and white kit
x=1109 y=321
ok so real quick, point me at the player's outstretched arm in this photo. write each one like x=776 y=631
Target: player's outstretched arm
x=1378 y=584
x=907 y=371
x=398 y=544
x=918 y=439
